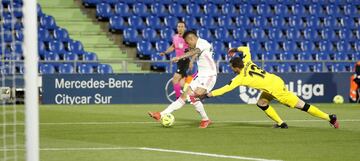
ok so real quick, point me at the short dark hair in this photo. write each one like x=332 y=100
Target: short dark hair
x=187 y=33
x=181 y=22
x=236 y=62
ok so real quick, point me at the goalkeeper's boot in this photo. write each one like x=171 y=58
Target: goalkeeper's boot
x=333 y=121
x=155 y=115
x=204 y=124
x=281 y=126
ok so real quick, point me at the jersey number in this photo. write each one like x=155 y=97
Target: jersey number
x=255 y=70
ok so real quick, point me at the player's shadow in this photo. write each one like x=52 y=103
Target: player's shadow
x=243 y=124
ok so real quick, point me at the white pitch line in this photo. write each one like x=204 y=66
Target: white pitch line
x=206 y=154
x=154 y=122
x=151 y=149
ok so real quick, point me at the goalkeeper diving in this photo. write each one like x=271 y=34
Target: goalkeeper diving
x=271 y=85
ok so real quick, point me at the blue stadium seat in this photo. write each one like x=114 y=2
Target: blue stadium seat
x=258 y=34
x=16 y=9
x=288 y=55
x=191 y=22
x=66 y=68
x=167 y=34
x=47 y=22
x=281 y=10
x=104 y=69
x=149 y=34
x=331 y=22
x=264 y=10
x=261 y=22
x=357 y=32
x=313 y=22
x=222 y=34
x=171 y=21
x=19 y=35
x=276 y=34
x=240 y=34
x=157 y=65
x=225 y=68
x=357 y=45
x=41 y=49
x=271 y=67
x=348 y=22
x=329 y=34
x=140 y=9
x=246 y=9
x=85 y=69
x=351 y=10
x=219 y=48
x=61 y=34
x=166 y=2
x=130 y=36
x=144 y=48
x=153 y=22
x=51 y=56
x=226 y=21
x=17 y=48
x=176 y=9
x=111 y=2
x=8 y=21
x=136 y=22
x=290 y=46
x=193 y=9
x=211 y=9
x=296 y=22
x=311 y=34
x=256 y=49
x=302 y=68
x=8 y=36
x=183 y=2
x=278 y=22
x=208 y=22
x=284 y=68
x=69 y=56
x=272 y=46
x=90 y=59
x=344 y=46
x=103 y=11
x=326 y=46
x=56 y=46
x=333 y=10
x=46 y=69
x=340 y=55
x=316 y=10
x=243 y=21
x=217 y=2
x=308 y=46
x=161 y=46
x=298 y=9
x=346 y=34
x=158 y=9
x=229 y=9
x=117 y=23
x=44 y=35
x=75 y=47
x=90 y=3
x=122 y=10
x=205 y=34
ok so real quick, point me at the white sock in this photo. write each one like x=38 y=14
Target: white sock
x=173 y=106
x=199 y=107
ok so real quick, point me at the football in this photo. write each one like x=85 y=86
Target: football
x=338 y=99
x=167 y=120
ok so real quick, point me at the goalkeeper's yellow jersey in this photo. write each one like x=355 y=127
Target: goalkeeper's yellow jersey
x=252 y=76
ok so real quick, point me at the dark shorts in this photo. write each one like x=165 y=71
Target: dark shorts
x=183 y=66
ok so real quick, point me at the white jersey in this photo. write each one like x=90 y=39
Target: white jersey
x=206 y=64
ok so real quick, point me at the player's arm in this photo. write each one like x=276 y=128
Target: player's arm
x=190 y=53
x=192 y=60
x=244 y=49
x=168 y=50
x=229 y=87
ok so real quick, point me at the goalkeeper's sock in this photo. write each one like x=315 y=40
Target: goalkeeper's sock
x=199 y=107
x=177 y=89
x=173 y=106
x=271 y=113
x=312 y=110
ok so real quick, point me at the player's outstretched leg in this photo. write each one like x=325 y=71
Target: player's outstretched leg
x=314 y=111
x=199 y=107
x=272 y=114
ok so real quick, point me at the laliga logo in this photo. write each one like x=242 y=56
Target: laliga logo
x=306 y=91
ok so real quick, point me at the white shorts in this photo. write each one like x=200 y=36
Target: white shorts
x=206 y=82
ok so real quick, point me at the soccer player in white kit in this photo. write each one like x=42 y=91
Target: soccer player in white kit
x=203 y=83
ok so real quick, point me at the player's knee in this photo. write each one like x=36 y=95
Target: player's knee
x=263 y=107
x=305 y=107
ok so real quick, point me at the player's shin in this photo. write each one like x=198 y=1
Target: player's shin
x=312 y=110
x=199 y=107
x=174 y=106
x=271 y=113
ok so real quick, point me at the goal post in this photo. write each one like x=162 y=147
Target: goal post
x=31 y=80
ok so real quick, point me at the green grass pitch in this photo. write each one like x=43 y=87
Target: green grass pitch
x=118 y=132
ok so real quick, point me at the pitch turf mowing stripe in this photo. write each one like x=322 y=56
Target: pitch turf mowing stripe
x=154 y=122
